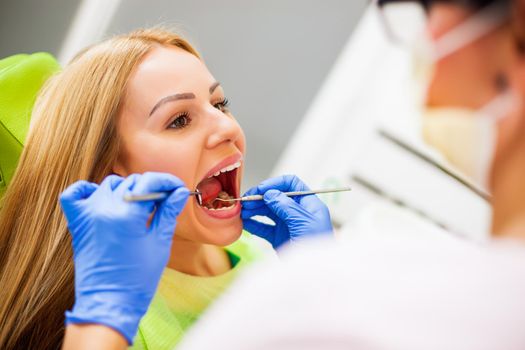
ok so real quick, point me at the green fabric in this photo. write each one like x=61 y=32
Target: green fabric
x=181 y=298
x=21 y=78
x=234 y=259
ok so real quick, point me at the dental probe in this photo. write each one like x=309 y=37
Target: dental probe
x=158 y=196
x=258 y=197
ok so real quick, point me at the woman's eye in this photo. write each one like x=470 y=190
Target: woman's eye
x=222 y=105
x=180 y=122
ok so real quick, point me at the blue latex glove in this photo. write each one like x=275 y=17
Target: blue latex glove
x=295 y=218
x=119 y=258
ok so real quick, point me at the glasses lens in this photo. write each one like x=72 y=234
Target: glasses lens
x=405 y=21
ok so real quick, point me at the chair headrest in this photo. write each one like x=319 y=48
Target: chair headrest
x=21 y=78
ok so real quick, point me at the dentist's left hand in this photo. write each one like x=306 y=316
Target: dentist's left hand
x=118 y=256
x=295 y=218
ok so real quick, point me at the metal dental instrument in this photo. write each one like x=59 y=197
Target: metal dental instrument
x=158 y=196
x=259 y=197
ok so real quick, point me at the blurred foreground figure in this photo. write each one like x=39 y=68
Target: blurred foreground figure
x=436 y=292
x=373 y=294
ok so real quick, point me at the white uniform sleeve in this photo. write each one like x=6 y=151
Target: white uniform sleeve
x=370 y=293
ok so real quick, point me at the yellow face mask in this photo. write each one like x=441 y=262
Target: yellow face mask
x=465 y=137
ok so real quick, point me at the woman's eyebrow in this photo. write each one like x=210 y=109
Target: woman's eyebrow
x=182 y=96
x=214 y=86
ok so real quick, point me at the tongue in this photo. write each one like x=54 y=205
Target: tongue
x=210 y=189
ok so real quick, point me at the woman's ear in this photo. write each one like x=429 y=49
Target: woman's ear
x=119 y=169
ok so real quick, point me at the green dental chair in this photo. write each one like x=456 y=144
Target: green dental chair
x=21 y=78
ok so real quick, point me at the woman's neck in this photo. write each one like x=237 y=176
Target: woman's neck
x=508 y=193
x=198 y=259
x=508 y=219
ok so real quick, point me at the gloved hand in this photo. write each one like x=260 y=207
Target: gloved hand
x=295 y=218
x=119 y=258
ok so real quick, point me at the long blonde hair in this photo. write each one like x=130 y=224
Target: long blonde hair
x=73 y=136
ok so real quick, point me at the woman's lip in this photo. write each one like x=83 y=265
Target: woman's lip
x=224 y=214
x=222 y=164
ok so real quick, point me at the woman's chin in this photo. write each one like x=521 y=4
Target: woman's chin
x=224 y=236
x=221 y=234
x=217 y=227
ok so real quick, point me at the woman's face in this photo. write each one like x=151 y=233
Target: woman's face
x=174 y=119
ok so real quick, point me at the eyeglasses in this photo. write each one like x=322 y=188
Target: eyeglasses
x=405 y=21
x=473 y=4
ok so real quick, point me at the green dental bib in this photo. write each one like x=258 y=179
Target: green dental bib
x=182 y=298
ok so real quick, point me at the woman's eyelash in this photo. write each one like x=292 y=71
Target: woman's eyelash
x=183 y=119
x=223 y=104
x=180 y=121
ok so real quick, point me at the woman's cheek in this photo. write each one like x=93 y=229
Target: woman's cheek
x=171 y=158
x=184 y=222
x=241 y=140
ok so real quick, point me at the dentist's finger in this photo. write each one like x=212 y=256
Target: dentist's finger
x=284 y=183
x=262 y=211
x=126 y=185
x=156 y=182
x=165 y=219
x=283 y=206
x=78 y=191
x=260 y=229
x=253 y=204
x=110 y=183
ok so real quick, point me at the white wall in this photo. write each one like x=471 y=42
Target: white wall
x=28 y=26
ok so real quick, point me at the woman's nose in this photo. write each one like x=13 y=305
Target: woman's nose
x=224 y=129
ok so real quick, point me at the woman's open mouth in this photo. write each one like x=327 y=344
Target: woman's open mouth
x=223 y=184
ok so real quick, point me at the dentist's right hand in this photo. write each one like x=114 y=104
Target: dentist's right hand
x=119 y=254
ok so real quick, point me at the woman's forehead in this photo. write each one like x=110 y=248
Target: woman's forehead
x=165 y=71
x=170 y=67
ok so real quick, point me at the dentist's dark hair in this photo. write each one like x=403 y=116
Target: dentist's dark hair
x=473 y=4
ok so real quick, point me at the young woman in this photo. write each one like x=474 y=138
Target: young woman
x=135 y=103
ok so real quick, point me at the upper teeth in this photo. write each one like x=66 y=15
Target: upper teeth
x=227 y=168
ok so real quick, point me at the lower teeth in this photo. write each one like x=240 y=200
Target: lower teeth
x=221 y=195
x=219 y=209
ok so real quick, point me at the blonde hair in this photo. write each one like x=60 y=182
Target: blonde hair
x=73 y=137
